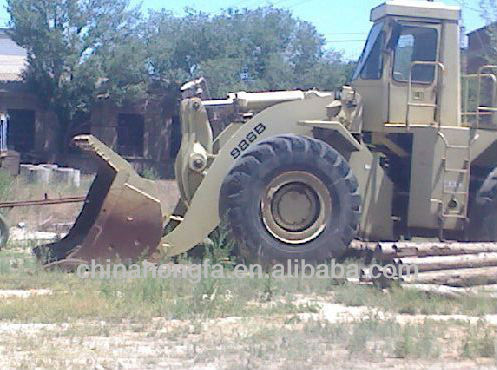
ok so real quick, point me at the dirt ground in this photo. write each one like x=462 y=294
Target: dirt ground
x=305 y=340
x=59 y=217
x=54 y=320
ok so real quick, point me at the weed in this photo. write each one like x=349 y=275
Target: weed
x=479 y=342
x=418 y=341
x=150 y=173
x=219 y=248
x=6 y=182
x=413 y=302
x=269 y=289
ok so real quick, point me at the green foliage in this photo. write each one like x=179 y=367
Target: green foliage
x=413 y=302
x=250 y=49
x=479 y=342
x=418 y=341
x=489 y=14
x=219 y=248
x=79 y=50
x=150 y=173
x=82 y=50
x=6 y=182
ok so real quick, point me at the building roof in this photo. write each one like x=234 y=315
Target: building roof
x=483 y=29
x=416 y=8
x=13 y=58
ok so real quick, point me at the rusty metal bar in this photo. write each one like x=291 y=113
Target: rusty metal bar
x=41 y=202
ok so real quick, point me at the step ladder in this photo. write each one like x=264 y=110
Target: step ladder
x=455 y=194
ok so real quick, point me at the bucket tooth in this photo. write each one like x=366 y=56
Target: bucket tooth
x=121 y=219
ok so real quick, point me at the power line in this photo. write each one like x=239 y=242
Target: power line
x=247 y=3
x=290 y=6
x=346 y=33
x=298 y=3
x=332 y=41
x=240 y=4
x=280 y=2
x=465 y=7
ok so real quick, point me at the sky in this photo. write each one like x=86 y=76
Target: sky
x=344 y=23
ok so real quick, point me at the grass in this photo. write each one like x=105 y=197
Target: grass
x=262 y=344
x=270 y=329
x=139 y=299
x=371 y=340
x=6 y=182
x=414 y=302
x=273 y=322
x=419 y=341
x=479 y=342
x=183 y=298
x=150 y=173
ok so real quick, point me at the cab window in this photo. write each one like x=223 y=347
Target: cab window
x=415 y=44
x=370 y=65
x=374 y=65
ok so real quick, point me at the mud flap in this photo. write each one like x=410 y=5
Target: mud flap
x=121 y=219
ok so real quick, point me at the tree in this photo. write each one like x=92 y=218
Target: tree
x=252 y=50
x=82 y=50
x=489 y=14
x=78 y=49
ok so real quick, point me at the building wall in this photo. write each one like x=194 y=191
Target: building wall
x=13 y=96
x=157 y=117
x=478 y=43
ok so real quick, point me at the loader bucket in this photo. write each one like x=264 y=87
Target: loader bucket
x=121 y=219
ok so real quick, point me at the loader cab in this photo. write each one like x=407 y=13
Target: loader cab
x=408 y=73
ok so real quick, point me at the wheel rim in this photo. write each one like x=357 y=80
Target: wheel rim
x=295 y=207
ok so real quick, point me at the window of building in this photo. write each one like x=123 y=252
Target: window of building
x=21 y=130
x=415 y=44
x=175 y=138
x=130 y=133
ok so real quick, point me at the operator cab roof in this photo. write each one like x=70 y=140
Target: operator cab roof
x=417 y=9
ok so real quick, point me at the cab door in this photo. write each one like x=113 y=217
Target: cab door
x=370 y=80
x=414 y=42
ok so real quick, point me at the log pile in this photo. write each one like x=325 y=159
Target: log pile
x=451 y=264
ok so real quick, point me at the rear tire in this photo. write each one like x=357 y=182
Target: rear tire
x=290 y=197
x=484 y=215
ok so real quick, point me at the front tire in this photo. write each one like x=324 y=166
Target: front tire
x=290 y=197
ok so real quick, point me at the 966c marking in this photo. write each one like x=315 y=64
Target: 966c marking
x=244 y=144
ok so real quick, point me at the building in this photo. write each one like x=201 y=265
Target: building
x=141 y=131
x=144 y=133
x=479 y=42
x=27 y=131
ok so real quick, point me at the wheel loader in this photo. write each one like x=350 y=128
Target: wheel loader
x=398 y=153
